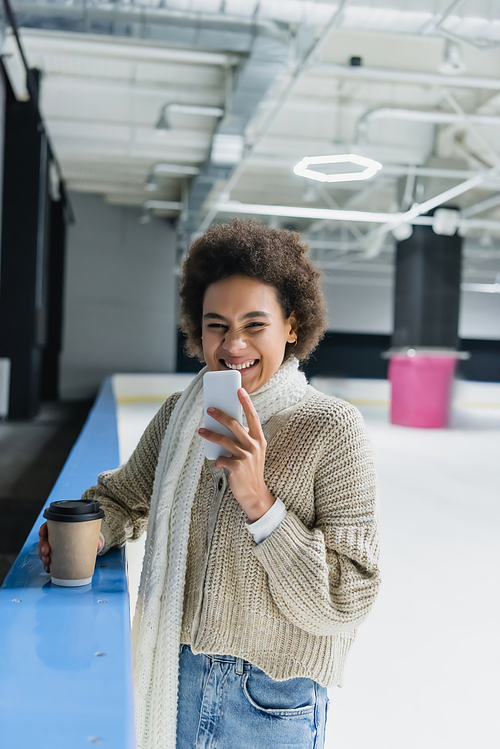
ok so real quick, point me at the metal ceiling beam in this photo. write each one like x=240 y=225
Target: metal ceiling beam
x=416 y=115
x=384 y=75
x=76 y=44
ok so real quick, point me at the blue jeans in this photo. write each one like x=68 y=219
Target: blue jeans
x=227 y=703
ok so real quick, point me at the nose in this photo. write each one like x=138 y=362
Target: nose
x=234 y=342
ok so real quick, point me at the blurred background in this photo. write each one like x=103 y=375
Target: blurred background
x=128 y=127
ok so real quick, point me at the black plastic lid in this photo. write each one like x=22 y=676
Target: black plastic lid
x=74 y=510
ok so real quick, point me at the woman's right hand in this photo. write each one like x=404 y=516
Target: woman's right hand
x=44 y=546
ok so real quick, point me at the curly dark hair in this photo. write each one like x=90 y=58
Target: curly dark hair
x=275 y=256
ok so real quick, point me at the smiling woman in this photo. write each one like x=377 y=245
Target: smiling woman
x=259 y=566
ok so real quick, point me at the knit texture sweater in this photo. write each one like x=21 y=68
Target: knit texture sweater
x=290 y=604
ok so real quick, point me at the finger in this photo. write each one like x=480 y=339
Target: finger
x=43 y=550
x=43 y=530
x=240 y=432
x=221 y=439
x=223 y=462
x=254 y=425
x=223 y=418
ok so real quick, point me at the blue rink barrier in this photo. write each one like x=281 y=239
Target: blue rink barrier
x=65 y=658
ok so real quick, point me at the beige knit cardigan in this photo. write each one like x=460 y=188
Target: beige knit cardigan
x=290 y=604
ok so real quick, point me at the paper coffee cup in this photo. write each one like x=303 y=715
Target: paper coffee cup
x=73 y=527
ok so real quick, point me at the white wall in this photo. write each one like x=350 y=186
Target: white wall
x=369 y=309
x=479 y=315
x=359 y=308
x=119 y=308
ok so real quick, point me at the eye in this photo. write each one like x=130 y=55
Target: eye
x=216 y=325
x=256 y=324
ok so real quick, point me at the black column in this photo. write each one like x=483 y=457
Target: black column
x=53 y=345
x=427 y=294
x=24 y=262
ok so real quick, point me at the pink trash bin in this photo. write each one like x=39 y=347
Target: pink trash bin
x=421 y=390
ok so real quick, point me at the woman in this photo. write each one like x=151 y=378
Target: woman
x=260 y=566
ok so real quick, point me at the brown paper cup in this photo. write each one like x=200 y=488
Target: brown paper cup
x=73 y=551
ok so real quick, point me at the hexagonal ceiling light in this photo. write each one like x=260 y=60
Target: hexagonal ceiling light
x=303 y=167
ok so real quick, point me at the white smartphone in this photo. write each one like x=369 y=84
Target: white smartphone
x=220 y=390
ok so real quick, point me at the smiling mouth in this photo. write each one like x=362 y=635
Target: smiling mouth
x=240 y=367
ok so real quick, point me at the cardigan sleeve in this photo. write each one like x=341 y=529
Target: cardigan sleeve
x=125 y=492
x=325 y=579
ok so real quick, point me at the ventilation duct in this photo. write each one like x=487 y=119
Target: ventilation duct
x=267 y=60
x=198 y=30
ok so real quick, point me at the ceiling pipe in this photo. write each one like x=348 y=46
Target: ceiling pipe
x=361 y=73
x=158 y=205
x=168 y=170
x=329 y=214
x=415 y=115
x=162 y=205
x=483 y=205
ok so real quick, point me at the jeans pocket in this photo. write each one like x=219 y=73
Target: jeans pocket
x=293 y=698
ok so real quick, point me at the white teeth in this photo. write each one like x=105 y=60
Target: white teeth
x=240 y=366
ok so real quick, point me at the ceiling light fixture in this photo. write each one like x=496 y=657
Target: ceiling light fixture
x=303 y=167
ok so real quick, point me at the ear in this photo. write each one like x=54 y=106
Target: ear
x=294 y=326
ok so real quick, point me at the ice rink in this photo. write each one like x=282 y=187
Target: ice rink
x=422 y=673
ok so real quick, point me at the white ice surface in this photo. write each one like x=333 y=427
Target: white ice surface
x=423 y=671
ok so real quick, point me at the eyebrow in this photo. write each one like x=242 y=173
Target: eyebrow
x=256 y=313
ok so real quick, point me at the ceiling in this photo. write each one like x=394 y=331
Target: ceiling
x=279 y=84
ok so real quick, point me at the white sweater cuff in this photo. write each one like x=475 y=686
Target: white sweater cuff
x=264 y=526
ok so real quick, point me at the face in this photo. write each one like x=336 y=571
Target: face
x=244 y=328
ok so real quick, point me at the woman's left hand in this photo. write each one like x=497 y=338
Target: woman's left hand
x=248 y=454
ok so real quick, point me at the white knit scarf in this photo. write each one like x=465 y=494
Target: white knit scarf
x=158 y=616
